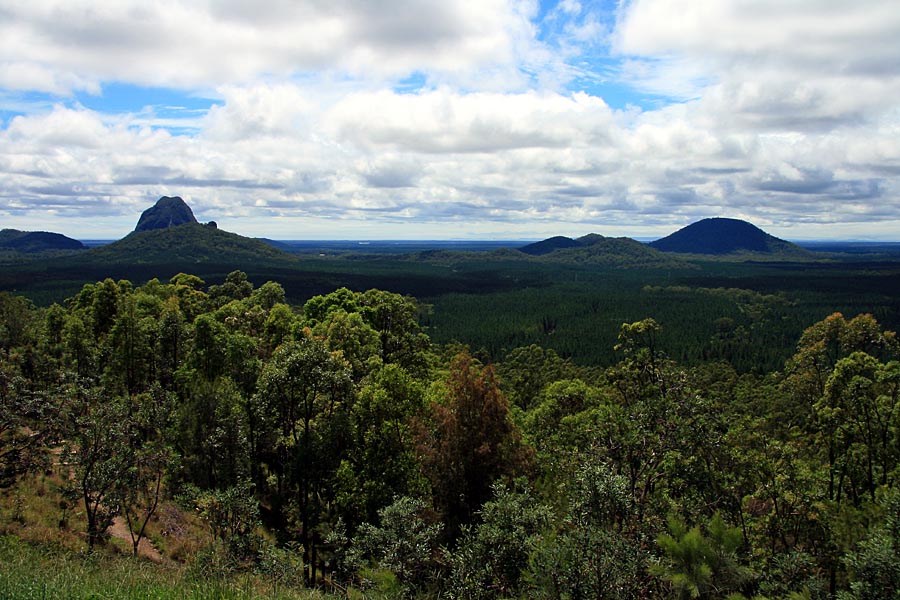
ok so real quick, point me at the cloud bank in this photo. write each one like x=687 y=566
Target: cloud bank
x=457 y=118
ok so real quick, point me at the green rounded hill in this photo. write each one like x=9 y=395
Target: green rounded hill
x=190 y=243
x=721 y=236
x=31 y=242
x=600 y=250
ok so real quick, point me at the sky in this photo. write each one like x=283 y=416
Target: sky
x=452 y=119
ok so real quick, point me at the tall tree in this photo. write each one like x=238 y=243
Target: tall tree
x=382 y=463
x=302 y=390
x=467 y=441
x=100 y=449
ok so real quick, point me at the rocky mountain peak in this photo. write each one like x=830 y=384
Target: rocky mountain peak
x=169 y=211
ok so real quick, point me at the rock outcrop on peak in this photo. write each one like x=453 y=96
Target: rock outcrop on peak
x=169 y=211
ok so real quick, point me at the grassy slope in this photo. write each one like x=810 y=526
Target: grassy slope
x=42 y=556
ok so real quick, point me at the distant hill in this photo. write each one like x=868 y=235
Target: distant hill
x=190 y=243
x=719 y=236
x=168 y=233
x=549 y=245
x=169 y=211
x=597 y=249
x=30 y=242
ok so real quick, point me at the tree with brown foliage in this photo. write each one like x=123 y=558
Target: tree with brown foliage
x=467 y=441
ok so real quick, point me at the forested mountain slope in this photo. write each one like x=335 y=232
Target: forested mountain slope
x=334 y=444
x=600 y=250
x=719 y=236
x=36 y=241
x=192 y=242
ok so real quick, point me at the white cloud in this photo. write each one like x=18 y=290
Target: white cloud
x=444 y=121
x=787 y=114
x=188 y=44
x=803 y=63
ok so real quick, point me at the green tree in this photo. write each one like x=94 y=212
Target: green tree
x=235 y=287
x=141 y=488
x=27 y=422
x=172 y=339
x=232 y=515
x=656 y=404
x=16 y=315
x=403 y=542
x=192 y=300
x=104 y=306
x=490 y=558
x=592 y=551
x=702 y=566
x=278 y=327
x=396 y=319
x=875 y=563
x=207 y=356
x=101 y=452
x=318 y=307
x=268 y=295
x=526 y=371
x=132 y=341
x=211 y=433
x=80 y=349
x=381 y=464
x=356 y=341
x=302 y=389
x=859 y=421
x=820 y=348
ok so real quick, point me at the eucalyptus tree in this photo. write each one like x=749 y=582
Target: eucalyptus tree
x=303 y=396
x=99 y=448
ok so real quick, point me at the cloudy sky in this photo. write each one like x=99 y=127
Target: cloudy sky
x=487 y=119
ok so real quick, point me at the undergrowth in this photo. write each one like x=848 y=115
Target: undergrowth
x=43 y=556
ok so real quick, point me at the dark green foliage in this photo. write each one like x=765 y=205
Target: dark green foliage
x=28 y=421
x=725 y=236
x=301 y=426
x=403 y=542
x=36 y=241
x=381 y=464
x=232 y=515
x=702 y=565
x=592 y=553
x=526 y=371
x=491 y=556
x=875 y=564
x=302 y=403
x=235 y=287
x=392 y=317
x=211 y=433
x=16 y=315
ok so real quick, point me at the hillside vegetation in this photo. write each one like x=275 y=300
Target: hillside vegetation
x=719 y=236
x=30 y=242
x=265 y=448
x=594 y=249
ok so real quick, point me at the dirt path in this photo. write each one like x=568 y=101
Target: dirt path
x=119 y=529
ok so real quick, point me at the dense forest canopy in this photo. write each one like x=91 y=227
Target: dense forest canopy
x=336 y=441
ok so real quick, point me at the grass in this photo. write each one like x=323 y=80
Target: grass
x=39 y=572
x=42 y=556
